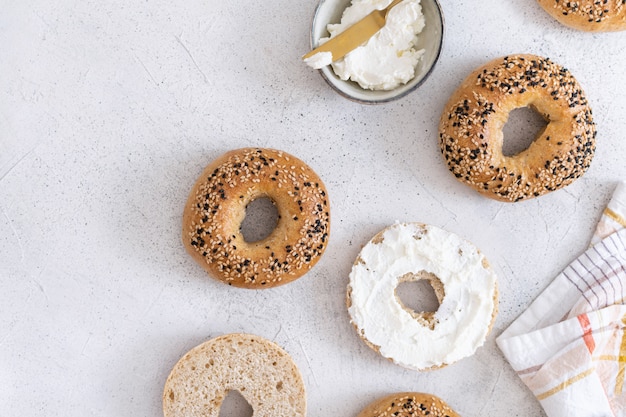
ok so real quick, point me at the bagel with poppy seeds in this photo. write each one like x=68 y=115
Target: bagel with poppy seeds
x=408 y=404
x=216 y=207
x=588 y=15
x=471 y=136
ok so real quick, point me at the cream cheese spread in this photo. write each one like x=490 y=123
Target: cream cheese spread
x=464 y=317
x=319 y=60
x=389 y=58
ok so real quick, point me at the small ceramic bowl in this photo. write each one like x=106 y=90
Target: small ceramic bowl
x=430 y=39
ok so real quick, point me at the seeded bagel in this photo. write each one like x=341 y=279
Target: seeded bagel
x=471 y=137
x=588 y=15
x=216 y=208
x=408 y=404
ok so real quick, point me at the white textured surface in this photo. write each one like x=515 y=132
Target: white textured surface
x=109 y=111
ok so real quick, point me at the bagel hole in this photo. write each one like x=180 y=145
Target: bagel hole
x=235 y=405
x=421 y=295
x=521 y=129
x=260 y=220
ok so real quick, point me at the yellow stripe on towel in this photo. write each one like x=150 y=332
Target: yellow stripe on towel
x=619 y=379
x=611 y=358
x=614 y=216
x=565 y=384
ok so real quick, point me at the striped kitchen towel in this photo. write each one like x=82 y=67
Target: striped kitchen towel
x=613 y=217
x=569 y=346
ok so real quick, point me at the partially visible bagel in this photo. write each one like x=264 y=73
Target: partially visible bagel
x=408 y=404
x=588 y=15
x=260 y=370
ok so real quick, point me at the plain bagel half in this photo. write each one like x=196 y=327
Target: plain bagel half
x=260 y=370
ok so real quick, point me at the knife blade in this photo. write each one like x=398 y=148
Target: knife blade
x=354 y=36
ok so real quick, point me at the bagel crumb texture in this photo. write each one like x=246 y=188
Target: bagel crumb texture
x=470 y=130
x=216 y=207
x=408 y=405
x=260 y=370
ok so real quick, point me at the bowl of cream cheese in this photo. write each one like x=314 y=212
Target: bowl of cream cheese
x=393 y=62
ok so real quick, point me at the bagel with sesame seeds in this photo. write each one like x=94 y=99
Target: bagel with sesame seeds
x=588 y=15
x=260 y=370
x=408 y=404
x=471 y=136
x=217 y=205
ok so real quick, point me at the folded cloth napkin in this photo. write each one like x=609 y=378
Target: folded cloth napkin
x=569 y=346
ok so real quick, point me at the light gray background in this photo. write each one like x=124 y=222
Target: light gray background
x=109 y=110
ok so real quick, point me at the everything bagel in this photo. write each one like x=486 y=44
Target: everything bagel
x=408 y=404
x=216 y=208
x=471 y=137
x=588 y=15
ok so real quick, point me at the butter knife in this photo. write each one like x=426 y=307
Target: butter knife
x=355 y=35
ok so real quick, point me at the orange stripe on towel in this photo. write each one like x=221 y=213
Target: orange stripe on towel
x=583 y=319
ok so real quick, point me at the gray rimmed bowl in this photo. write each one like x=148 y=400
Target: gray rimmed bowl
x=430 y=39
